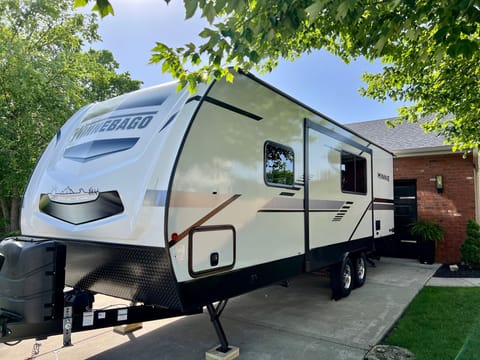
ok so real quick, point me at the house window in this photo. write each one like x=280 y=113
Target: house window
x=279 y=161
x=354 y=173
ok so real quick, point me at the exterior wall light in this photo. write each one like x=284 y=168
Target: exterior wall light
x=439 y=183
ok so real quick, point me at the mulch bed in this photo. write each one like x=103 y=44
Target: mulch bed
x=463 y=272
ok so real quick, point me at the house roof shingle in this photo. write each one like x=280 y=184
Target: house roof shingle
x=403 y=137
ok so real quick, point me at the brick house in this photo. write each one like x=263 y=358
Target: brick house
x=430 y=182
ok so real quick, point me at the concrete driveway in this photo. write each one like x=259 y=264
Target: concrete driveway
x=298 y=322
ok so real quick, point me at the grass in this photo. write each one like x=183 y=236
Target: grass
x=441 y=323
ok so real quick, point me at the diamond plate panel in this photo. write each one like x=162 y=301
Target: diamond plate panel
x=136 y=273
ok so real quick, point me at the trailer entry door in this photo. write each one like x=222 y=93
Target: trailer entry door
x=338 y=193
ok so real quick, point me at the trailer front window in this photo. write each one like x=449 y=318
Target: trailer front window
x=279 y=161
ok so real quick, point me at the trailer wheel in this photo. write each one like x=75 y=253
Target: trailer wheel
x=342 y=279
x=360 y=270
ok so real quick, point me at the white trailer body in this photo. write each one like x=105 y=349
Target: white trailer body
x=179 y=200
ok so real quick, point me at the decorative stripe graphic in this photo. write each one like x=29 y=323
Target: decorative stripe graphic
x=92 y=150
x=232 y=108
x=383 y=206
x=225 y=106
x=325 y=205
x=343 y=211
x=168 y=122
x=183 y=199
x=155 y=197
x=283 y=205
x=369 y=207
x=208 y=216
x=382 y=200
x=297 y=205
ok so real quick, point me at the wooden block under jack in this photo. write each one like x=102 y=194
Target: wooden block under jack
x=214 y=354
x=126 y=329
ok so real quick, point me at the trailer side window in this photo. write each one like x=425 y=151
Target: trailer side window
x=279 y=161
x=354 y=173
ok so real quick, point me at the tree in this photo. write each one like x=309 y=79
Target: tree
x=44 y=76
x=429 y=49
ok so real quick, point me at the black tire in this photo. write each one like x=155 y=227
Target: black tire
x=341 y=279
x=359 y=270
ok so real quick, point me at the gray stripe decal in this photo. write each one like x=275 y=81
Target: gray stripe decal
x=383 y=207
x=277 y=204
x=283 y=204
x=95 y=149
x=155 y=198
x=325 y=205
x=168 y=121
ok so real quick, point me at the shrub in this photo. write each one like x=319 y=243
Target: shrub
x=470 y=248
x=427 y=230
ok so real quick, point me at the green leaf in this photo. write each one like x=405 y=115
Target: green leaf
x=314 y=10
x=209 y=12
x=227 y=33
x=248 y=34
x=220 y=5
x=229 y=77
x=271 y=35
x=465 y=47
x=441 y=34
x=207 y=33
x=104 y=8
x=380 y=44
x=273 y=19
x=343 y=9
x=165 y=65
x=196 y=59
x=254 y=56
x=80 y=3
x=190 y=8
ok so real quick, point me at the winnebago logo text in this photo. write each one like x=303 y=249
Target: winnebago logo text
x=114 y=123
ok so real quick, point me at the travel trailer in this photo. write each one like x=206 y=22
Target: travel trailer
x=177 y=201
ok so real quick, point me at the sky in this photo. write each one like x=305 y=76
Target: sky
x=319 y=80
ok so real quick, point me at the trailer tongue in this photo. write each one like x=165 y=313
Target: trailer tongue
x=33 y=303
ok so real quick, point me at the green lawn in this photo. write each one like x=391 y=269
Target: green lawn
x=441 y=323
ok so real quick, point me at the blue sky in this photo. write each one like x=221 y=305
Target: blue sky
x=319 y=80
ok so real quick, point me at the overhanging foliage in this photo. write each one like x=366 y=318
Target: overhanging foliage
x=429 y=49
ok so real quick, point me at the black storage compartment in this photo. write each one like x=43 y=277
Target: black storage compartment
x=32 y=277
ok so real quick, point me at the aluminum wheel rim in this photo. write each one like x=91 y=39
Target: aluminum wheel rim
x=360 y=269
x=347 y=277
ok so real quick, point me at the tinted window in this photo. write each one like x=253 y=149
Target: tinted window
x=354 y=173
